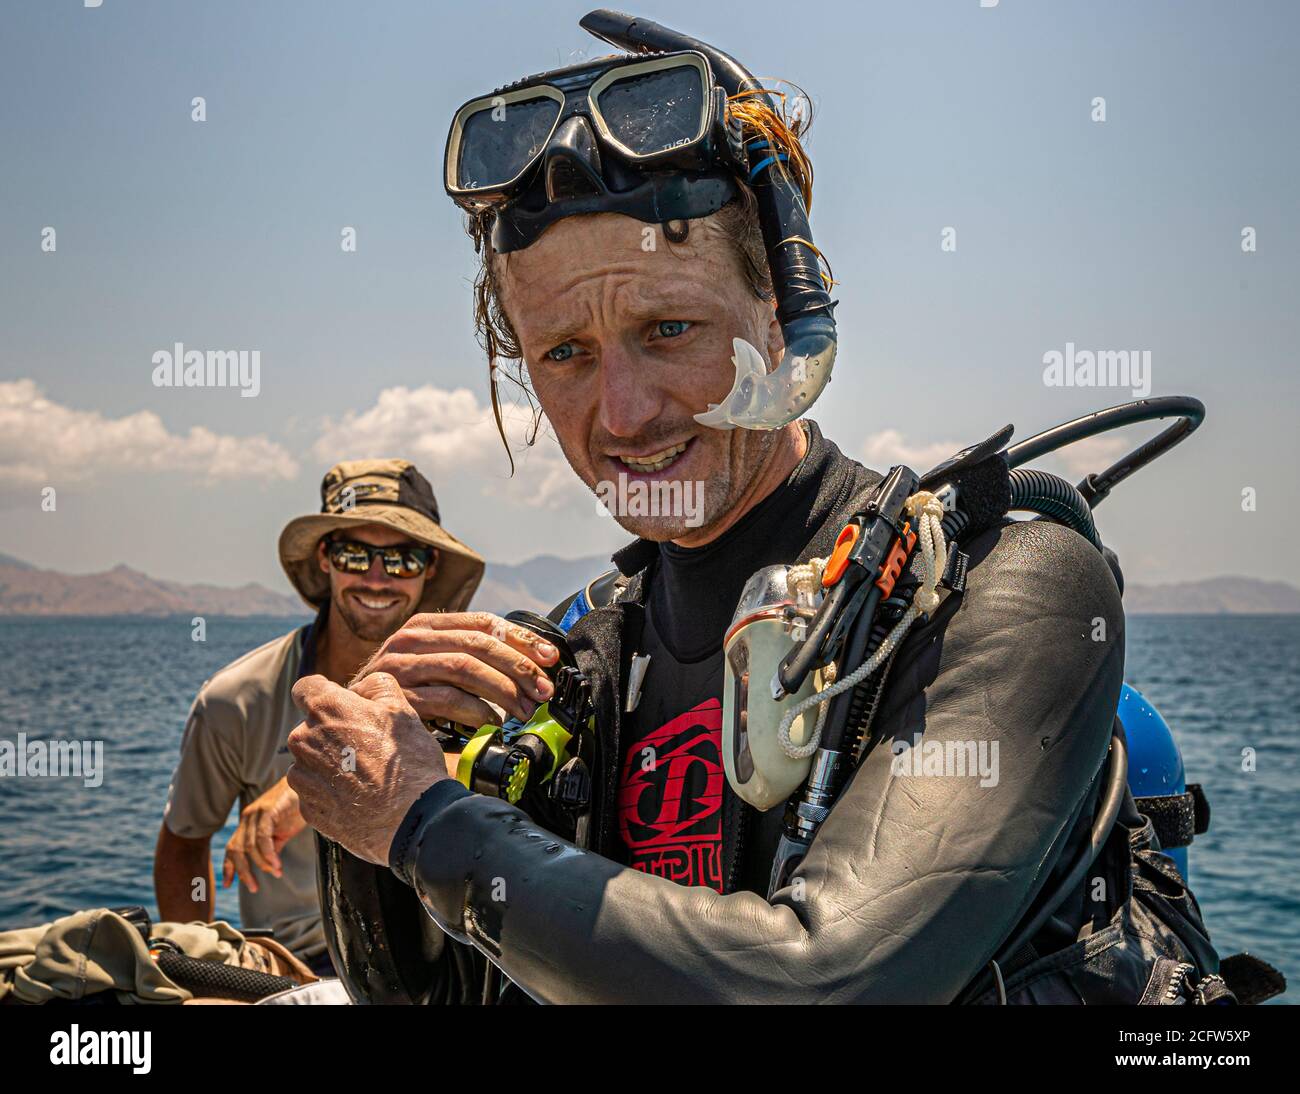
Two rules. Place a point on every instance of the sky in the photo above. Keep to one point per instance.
(934, 121)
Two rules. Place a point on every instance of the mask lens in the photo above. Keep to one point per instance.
(499, 141)
(651, 112)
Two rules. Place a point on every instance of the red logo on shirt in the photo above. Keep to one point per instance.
(670, 798)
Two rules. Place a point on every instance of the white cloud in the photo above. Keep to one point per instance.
(46, 443)
(1092, 454)
(883, 450)
(451, 434)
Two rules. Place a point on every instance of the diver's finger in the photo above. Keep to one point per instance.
(468, 673)
(241, 869)
(496, 647)
(452, 704)
(262, 847)
(427, 626)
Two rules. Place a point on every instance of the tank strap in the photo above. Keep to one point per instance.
(1177, 818)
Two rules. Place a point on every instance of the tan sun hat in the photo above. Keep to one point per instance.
(388, 492)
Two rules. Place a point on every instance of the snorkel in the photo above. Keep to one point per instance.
(562, 160)
(757, 400)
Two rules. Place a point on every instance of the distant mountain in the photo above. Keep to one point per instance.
(27, 590)
(536, 585)
(1215, 596)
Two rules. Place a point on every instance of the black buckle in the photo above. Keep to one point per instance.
(571, 704)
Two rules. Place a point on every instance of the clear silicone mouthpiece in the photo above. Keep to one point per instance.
(762, 400)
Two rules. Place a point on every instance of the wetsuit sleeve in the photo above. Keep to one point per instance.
(913, 881)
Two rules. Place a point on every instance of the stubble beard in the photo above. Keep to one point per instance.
(370, 629)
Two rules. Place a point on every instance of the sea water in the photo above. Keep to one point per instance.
(1227, 685)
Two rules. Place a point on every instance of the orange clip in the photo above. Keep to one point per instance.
(896, 560)
(839, 560)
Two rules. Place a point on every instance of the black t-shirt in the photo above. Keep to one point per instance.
(672, 784)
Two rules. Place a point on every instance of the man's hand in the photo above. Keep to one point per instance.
(449, 663)
(362, 758)
(268, 823)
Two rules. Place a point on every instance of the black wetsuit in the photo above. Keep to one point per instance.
(912, 884)
(673, 805)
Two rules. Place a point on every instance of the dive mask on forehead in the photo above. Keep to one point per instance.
(649, 136)
(646, 138)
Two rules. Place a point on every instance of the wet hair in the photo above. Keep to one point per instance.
(737, 221)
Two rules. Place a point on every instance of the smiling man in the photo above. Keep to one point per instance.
(372, 557)
(646, 255)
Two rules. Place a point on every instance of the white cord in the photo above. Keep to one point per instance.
(802, 580)
(929, 513)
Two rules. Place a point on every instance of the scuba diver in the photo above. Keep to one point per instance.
(829, 735)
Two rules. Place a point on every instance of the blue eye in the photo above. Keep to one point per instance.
(562, 352)
(671, 328)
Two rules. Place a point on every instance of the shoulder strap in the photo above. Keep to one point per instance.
(597, 593)
(823, 540)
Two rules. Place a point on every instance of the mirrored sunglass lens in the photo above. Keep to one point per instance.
(403, 563)
(497, 142)
(654, 111)
(347, 556)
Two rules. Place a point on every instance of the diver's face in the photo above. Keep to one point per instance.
(374, 604)
(624, 345)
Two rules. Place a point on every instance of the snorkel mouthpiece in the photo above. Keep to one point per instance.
(762, 400)
(757, 400)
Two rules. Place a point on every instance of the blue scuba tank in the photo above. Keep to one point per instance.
(1155, 766)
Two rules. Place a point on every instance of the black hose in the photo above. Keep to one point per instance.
(218, 981)
(1095, 487)
(1042, 493)
(1054, 498)
(954, 524)
(864, 694)
(796, 664)
(857, 648)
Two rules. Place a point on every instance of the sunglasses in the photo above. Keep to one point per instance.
(667, 112)
(402, 560)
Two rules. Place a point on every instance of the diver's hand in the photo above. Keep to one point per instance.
(265, 826)
(361, 759)
(453, 664)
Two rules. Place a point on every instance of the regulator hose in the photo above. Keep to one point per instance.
(1053, 497)
(1038, 492)
(1189, 411)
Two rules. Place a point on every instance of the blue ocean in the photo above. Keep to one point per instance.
(1224, 683)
